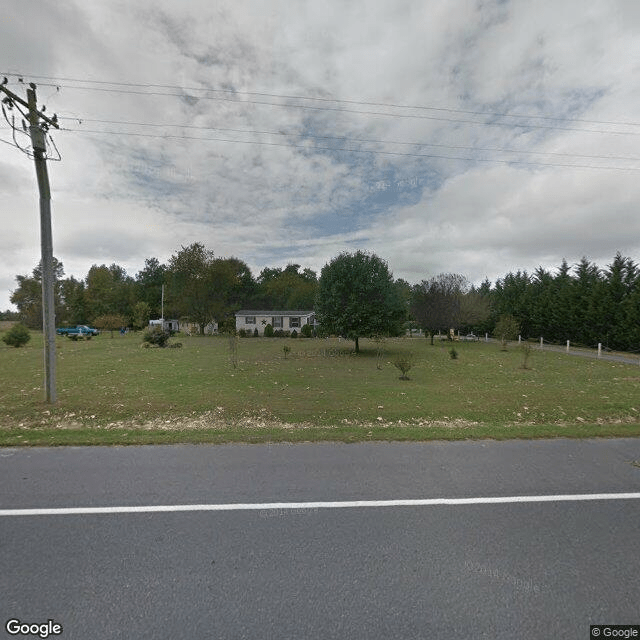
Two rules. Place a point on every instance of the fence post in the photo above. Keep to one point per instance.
(599, 349)
(486, 337)
(568, 342)
(519, 339)
(541, 342)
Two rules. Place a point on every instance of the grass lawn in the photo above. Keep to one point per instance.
(112, 391)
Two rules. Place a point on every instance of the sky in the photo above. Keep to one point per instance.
(470, 136)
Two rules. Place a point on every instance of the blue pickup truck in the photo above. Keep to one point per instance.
(81, 331)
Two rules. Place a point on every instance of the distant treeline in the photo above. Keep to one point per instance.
(583, 303)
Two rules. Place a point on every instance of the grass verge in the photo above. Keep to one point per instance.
(111, 391)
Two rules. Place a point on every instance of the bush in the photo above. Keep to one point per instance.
(404, 362)
(268, 331)
(306, 332)
(156, 336)
(17, 336)
(453, 354)
(294, 334)
(242, 333)
(256, 333)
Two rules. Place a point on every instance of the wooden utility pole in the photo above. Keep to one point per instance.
(38, 125)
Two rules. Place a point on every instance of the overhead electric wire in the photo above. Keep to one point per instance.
(322, 99)
(334, 149)
(351, 140)
(341, 110)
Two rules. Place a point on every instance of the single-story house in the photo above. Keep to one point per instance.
(249, 320)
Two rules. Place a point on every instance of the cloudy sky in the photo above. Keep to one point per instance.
(472, 136)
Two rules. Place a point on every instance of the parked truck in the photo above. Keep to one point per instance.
(79, 331)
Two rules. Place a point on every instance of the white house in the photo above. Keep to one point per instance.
(249, 320)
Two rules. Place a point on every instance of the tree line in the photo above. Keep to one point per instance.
(584, 303)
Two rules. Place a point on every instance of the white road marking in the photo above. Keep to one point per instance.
(348, 504)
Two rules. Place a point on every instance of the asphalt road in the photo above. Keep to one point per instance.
(511, 570)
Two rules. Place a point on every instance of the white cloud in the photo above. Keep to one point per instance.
(123, 198)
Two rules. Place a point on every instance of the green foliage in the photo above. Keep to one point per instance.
(404, 362)
(357, 297)
(306, 331)
(156, 336)
(453, 354)
(17, 336)
(110, 322)
(256, 333)
(294, 334)
(141, 315)
(286, 349)
(242, 333)
(507, 328)
(268, 331)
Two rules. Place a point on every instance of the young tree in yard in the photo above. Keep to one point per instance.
(506, 329)
(110, 322)
(17, 336)
(357, 298)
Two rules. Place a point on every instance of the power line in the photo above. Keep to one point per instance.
(353, 140)
(343, 110)
(335, 149)
(322, 99)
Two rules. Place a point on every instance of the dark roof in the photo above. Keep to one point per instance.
(294, 312)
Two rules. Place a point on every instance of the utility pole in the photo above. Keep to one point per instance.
(38, 126)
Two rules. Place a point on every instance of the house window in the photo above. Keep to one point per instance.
(250, 320)
(276, 322)
(294, 322)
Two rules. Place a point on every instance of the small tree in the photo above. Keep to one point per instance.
(306, 331)
(507, 328)
(17, 336)
(268, 331)
(526, 354)
(404, 362)
(110, 323)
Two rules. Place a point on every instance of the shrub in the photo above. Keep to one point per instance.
(156, 336)
(268, 331)
(17, 336)
(278, 333)
(453, 354)
(294, 334)
(256, 333)
(242, 333)
(403, 362)
(306, 331)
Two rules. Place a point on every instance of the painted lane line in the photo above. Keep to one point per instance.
(348, 504)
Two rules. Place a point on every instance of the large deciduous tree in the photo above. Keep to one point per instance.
(28, 295)
(191, 288)
(438, 303)
(357, 298)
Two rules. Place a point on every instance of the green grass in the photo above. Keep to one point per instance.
(112, 391)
